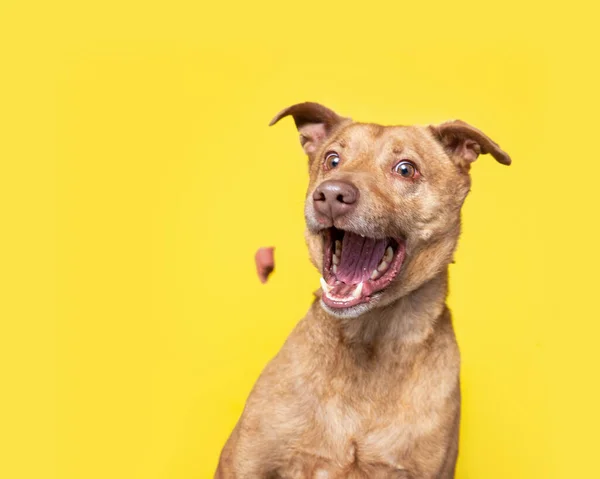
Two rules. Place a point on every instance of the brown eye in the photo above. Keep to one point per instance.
(406, 169)
(332, 160)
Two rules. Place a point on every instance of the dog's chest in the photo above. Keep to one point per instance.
(348, 437)
(341, 418)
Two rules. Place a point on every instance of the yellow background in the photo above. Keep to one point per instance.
(138, 176)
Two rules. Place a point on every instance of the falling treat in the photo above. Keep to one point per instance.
(265, 263)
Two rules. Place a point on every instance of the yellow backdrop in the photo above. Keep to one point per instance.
(139, 176)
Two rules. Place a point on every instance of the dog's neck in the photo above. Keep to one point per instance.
(408, 320)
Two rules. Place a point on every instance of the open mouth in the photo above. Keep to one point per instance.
(356, 267)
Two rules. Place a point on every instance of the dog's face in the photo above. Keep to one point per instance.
(383, 203)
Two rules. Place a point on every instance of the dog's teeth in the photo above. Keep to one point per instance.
(358, 290)
(334, 268)
(389, 254)
(338, 247)
(324, 286)
(382, 266)
(375, 274)
(336, 259)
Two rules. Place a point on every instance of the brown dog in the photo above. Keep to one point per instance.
(367, 384)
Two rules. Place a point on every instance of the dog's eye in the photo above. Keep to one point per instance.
(332, 160)
(406, 169)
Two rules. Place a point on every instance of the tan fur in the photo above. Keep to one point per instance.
(375, 394)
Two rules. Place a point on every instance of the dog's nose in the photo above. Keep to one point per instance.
(333, 199)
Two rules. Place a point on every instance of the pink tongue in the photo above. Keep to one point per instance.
(360, 256)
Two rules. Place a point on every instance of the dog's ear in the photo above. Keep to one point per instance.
(314, 122)
(464, 143)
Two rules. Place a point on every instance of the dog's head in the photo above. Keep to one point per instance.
(383, 203)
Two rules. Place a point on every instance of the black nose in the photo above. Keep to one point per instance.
(333, 199)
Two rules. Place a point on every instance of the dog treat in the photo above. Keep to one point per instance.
(265, 263)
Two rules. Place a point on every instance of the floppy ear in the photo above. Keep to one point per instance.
(314, 122)
(464, 143)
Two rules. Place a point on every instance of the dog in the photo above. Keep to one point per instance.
(367, 384)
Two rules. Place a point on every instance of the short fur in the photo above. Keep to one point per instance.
(372, 392)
